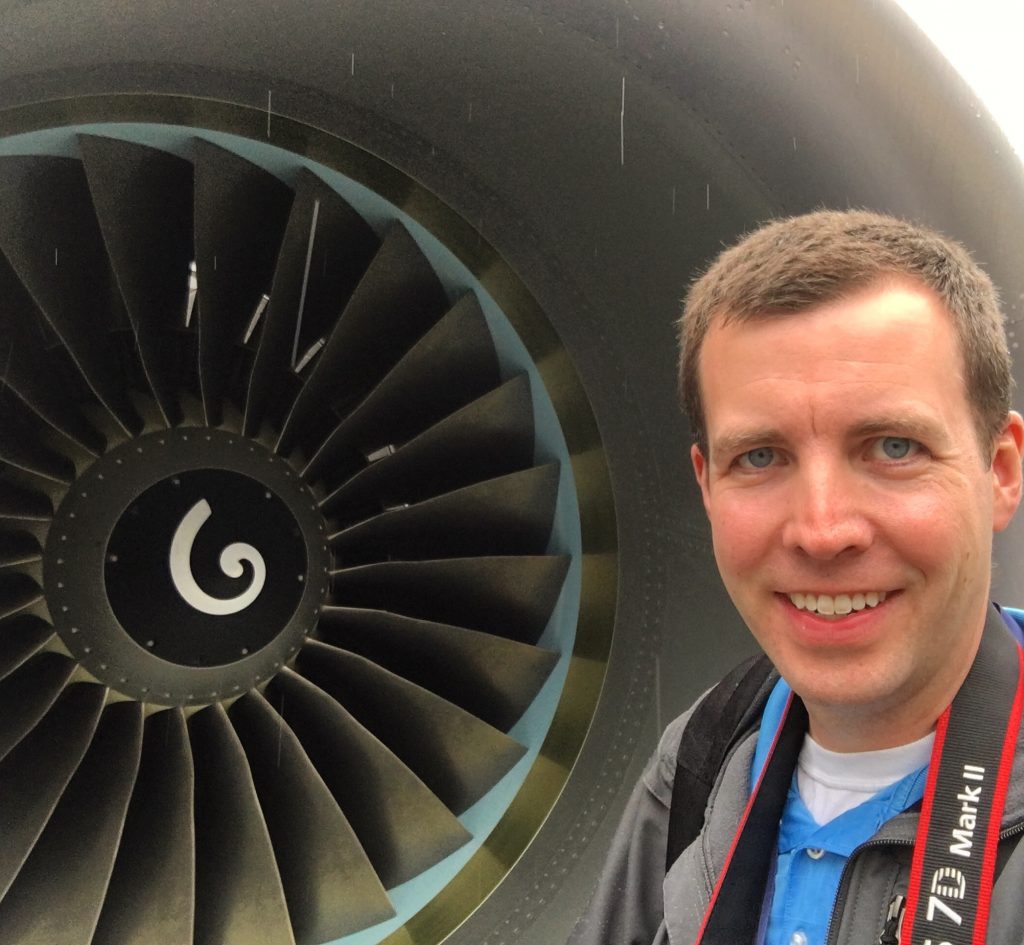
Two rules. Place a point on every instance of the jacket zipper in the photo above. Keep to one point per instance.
(893, 927)
(897, 907)
(1012, 831)
(844, 881)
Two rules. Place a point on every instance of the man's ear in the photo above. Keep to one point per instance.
(700, 470)
(1006, 471)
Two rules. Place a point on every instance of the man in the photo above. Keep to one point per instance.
(847, 379)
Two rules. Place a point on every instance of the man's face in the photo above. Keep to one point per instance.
(844, 468)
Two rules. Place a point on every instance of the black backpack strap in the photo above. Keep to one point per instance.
(712, 730)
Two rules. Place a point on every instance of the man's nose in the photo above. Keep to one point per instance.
(827, 517)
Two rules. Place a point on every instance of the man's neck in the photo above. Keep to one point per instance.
(849, 736)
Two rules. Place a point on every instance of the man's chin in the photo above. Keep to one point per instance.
(838, 684)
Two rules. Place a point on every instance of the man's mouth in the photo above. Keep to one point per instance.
(838, 605)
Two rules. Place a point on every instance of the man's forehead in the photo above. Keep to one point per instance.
(878, 360)
(877, 312)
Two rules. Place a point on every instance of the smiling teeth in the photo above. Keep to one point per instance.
(839, 605)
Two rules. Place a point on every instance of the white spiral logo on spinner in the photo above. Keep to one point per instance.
(231, 559)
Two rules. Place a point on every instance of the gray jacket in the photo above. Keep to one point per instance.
(637, 904)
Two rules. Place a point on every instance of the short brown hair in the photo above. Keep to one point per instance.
(796, 263)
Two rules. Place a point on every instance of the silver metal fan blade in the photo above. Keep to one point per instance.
(401, 825)
(329, 883)
(239, 897)
(70, 865)
(457, 756)
(151, 896)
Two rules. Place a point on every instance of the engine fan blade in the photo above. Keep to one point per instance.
(326, 249)
(510, 595)
(239, 898)
(46, 386)
(20, 638)
(451, 365)
(330, 885)
(151, 897)
(143, 200)
(27, 693)
(457, 756)
(490, 677)
(34, 774)
(70, 865)
(396, 302)
(48, 232)
(240, 215)
(401, 825)
(489, 437)
(508, 515)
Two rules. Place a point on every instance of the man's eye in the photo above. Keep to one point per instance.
(897, 447)
(760, 458)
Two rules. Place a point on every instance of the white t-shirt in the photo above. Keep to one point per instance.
(832, 782)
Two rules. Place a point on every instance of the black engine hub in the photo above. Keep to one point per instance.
(186, 566)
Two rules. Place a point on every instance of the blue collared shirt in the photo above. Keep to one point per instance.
(809, 856)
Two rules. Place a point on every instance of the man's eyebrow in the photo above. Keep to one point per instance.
(914, 426)
(733, 444)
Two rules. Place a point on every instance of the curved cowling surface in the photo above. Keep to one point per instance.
(606, 149)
